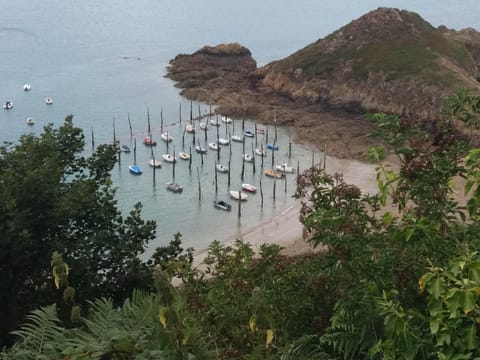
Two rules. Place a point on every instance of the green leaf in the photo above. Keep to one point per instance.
(467, 300)
(472, 206)
(474, 275)
(435, 287)
(471, 337)
(434, 325)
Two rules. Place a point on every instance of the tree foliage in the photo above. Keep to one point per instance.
(54, 198)
(398, 275)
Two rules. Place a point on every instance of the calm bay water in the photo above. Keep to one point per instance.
(104, 60)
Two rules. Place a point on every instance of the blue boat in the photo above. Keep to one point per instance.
(248, 133)
(272, 146)
(135, 169)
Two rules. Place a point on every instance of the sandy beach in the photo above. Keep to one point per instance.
(285, 228)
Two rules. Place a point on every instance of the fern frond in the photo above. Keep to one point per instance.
(40, 337)
(102, 318)
(139, 312)
(308, 348)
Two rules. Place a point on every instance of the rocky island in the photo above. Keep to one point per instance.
(388, 60)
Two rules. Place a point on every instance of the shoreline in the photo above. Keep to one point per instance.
(285, 228)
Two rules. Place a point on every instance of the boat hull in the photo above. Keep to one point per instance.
(174, 187)
(238, 195)
(222, 205)
(135, 170)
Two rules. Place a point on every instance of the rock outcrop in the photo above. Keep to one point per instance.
(388, 60)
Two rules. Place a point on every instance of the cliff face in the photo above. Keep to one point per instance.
(388, 60)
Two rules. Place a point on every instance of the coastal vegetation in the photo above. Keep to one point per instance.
(398, 275)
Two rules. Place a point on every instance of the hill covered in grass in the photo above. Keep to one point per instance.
(388, 60)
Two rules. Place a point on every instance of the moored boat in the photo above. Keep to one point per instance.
(169, 158)
(155, 163)
(284, 168)
(274, 174)
(8, 105)
(30, 121)
(249, 188)
(213, 146)
(135, 169)
(260, 152)
(203, 126)
(166, 137)
(174, 187)
(200, 149)
(27, 87)
(248, 133)
(223, 141)
(48, 101)
(189, 128)
(237, 138)
(223, 205)
(147, 140)
(221, 168)
(238, 195)
(125, 148)
(227, 120)
(184, 155)
(214, 122)
(272, 146)
(248, 157)
(260, 131)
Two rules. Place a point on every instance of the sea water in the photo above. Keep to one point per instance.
(104, 62)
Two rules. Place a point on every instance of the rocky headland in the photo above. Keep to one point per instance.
(388, 60)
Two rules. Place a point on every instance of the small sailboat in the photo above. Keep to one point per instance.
(214, 122)
(48, 101)
(203, 126)
(223, 205)
(8, 105)
(272, 147)
(125, 148)
(284, 168)
(238, 195)
(27, 87)
(166, 137)
(184, 156)
(248, 157)
(237, 138)
(200, 149)
(260, 131)
(260, 152)
(274, 174)
(30, 121)
(147, 140)
(174, 187)
(135, 169)
(169, 158)
(223, 141)
(221, 168)
(227, 120)
(155, 163)
(213, 146)
(249, 188)
(189, 128)
(248, 133)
